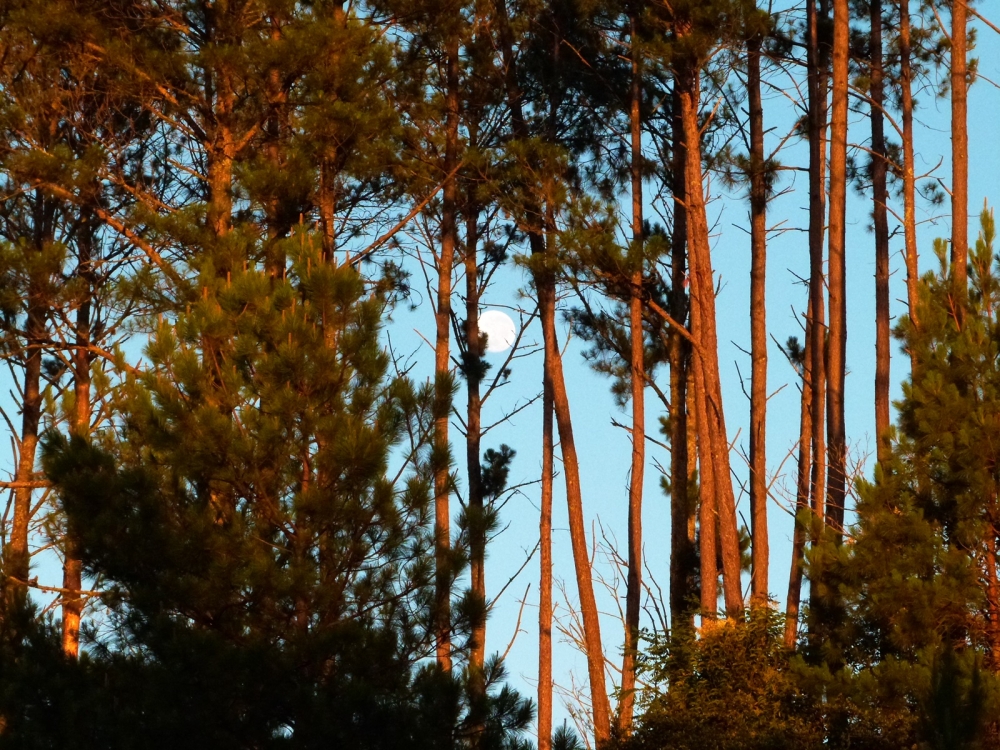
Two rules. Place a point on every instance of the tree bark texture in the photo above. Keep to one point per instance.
(880, 196)
(442, 364)
(713, 447)
(802, 486)
(758, 334)
(909, 175)
(817, 77)
(633, 588)
(959, 150)
(683, 555)
(837, 345)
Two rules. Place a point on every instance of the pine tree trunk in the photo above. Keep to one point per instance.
(837, 346)
(473, 437)
(802, 485)
(713, 445)
(959, 152)
(633, 590)
(18, 559)
(593, 645)
(683, 556)
(909, 174)
(442, 366)
(72, 607)
(817, 75)
(758, 334)
(880, 196)
(17, 564)
(545, 573)
(545, 289)
(474, 371)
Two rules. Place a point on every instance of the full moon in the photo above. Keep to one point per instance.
(499, 330)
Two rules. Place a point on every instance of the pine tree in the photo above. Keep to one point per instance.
(249, 511)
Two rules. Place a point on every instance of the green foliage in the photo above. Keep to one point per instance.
(261, 523)
(735, 687)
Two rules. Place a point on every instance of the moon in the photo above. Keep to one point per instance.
(499, 329)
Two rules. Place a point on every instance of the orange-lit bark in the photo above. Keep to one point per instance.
(837, 344)
(442, 366)
(638, 375)
(758, 334)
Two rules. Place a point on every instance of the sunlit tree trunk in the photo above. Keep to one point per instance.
(683, 556)
(802, 485)
(72, 607)
(880, 195)
(544, 279)
(17, 561)
(837, 345)
(817, 78)
(442, 365)
(713, 446)
(758, 333)
(909, 175)
(633, 589)
(959, 151)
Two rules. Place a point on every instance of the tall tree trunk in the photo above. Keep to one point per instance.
(837, 347)
(713, 446)
(593, 645)
(683, 556)
(633, 588)
(17, 563)
(909, 174)
(545, 574)
(801, 497)
(473, 437)
(880, 195)
(758, 333)
(72, 607)
(817, 77)
(545, 289)
(442, 365)
(959, 152)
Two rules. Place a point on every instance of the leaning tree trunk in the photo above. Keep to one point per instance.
(544, 279)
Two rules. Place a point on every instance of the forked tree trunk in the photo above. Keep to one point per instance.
(713, 446)
(442, 367)
(758, 334)
(959, 153)
(837, 346)
(880, 195)
(633, 588)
